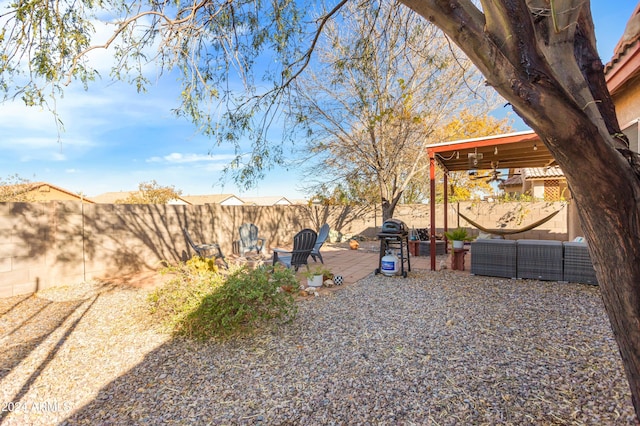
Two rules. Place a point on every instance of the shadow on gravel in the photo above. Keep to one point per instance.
(41, 319)
(480, 352)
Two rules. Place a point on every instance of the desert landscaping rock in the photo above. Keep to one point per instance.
(437, 348)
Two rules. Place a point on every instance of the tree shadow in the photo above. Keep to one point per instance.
(341, 217)
(36, 321)
(161, 380)
(68, 241)
(8, 305)
(238, 382)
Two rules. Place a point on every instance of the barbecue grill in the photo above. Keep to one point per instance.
(394, 226)
(394, 238)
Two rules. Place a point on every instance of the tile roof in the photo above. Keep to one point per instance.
(542, 172)
(624, 66)
(630, 36)
(530, 173)
(512, 181)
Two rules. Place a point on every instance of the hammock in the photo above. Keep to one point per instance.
(501, 231)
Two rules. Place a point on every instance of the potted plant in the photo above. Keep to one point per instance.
(316, 276)
(457, 237)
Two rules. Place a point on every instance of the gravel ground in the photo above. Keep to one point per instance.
(437, 348)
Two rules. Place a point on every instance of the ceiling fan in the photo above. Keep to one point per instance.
(493, 175)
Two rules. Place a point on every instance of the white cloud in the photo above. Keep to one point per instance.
(19, 143)
(178, 158)
(103, 106)
(27, 156)
(15, 115)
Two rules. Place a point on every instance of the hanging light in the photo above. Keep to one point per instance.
(495, 151)
(535, 147)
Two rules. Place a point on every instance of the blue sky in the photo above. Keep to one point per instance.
(115, 138)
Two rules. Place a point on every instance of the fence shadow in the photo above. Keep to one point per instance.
(56, 243)
(37, 320)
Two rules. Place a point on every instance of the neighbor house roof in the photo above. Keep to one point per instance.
(224, 199)
(300, 201)
(41, 191)
(625, 63)
(515, 180)
(267, 201)
(552, 172)
(113, 197)
(532, 173)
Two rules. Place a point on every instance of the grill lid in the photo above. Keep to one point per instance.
(394, 226)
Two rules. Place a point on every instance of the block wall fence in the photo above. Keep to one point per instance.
(62, 243)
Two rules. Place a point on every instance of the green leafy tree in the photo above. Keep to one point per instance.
(539, 55)
(210, 45)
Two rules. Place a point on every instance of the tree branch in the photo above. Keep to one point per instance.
(306, 58)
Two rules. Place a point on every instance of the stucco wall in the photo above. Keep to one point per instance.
(627, 102)
(59, 243)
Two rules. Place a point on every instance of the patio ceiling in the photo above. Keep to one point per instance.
(510, 151)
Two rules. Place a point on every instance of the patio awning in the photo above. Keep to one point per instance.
(513, 150)
(508, 151)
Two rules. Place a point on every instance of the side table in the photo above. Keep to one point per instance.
(457, 259)
(414, 247)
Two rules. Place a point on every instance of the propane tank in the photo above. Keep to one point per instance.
(389, 264)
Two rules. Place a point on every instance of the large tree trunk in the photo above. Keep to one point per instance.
(388, 207)
(606, 190)
(544, 62)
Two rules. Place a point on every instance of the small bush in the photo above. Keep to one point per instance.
(183, 293)
(205, 306)
(201, 266)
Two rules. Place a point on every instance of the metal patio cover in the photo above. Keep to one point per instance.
(510, 151)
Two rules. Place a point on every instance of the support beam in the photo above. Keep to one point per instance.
(432, 202)
(446, 210)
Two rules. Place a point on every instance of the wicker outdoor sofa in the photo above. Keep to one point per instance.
(533, 259)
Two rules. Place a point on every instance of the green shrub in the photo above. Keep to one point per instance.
(201, 266)
(212, 306)
(182, 294)
(459, 234)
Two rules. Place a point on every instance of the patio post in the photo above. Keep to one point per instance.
(432, 202)
(446, 208)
